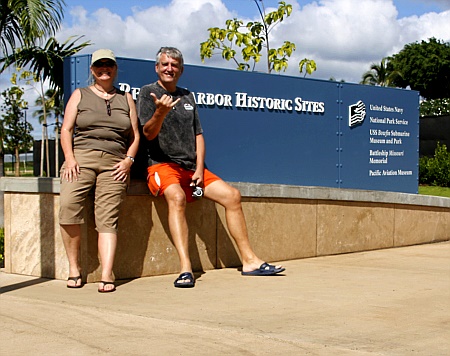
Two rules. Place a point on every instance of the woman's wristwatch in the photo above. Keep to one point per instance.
(132, 158)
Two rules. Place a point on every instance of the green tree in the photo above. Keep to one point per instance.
(23, 22)
(23, 25)
(436, 107)
(46, 63)
(425, 67)
(16, 131)
(381, 74)
(253, 38)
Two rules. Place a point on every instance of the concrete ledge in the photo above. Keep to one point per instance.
(251, 190)
(29, 185)
(321, 193)
(284, 222)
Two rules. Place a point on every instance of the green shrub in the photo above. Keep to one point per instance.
(424, 177)
(436, 170)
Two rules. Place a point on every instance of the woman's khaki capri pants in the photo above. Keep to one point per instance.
(95, 169)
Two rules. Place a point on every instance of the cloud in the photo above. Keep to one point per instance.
(182, 24)
(429, 25)
(343, 36)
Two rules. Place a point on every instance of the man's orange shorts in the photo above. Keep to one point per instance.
(162, 175)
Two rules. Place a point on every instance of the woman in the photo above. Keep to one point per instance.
(100, 139)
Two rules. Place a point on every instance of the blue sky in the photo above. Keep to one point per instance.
(247, 8)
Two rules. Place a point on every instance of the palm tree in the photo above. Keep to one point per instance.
(23, 22)
(380, 74)
(47, 63)
(52, 109)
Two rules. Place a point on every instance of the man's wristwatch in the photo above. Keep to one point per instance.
(132, 158)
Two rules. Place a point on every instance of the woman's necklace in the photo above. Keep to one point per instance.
(106, 93)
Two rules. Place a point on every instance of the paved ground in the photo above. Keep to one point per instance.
(387, 302)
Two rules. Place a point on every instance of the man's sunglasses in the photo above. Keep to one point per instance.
(107, 63)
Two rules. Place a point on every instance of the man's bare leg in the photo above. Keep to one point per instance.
(230, 199)
(176, 201)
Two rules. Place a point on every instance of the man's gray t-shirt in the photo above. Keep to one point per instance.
(175, 142)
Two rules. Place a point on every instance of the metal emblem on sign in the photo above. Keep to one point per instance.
(356, 113)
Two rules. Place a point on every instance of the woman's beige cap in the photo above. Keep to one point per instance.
(102, 54)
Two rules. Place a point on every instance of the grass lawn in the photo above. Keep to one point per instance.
(431, 190)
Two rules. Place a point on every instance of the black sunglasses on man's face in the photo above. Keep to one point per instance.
(104, 63)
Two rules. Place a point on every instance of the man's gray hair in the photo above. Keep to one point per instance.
(171, 52)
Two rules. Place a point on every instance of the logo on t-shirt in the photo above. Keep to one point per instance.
(188, 107)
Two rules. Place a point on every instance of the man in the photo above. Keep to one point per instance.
(176, 153)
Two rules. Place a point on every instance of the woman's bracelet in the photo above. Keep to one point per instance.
(132, 158)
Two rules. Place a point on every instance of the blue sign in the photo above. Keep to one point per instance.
(276, 129)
